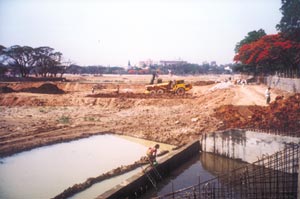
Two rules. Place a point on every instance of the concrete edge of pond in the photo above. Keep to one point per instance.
(246, 145)
(139, 183)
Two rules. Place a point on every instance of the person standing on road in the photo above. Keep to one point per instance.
(268, 95)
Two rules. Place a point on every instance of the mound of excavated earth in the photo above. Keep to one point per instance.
(282, 114)
(203, 83)
(140, 96)
(46, 88)
(6, 89)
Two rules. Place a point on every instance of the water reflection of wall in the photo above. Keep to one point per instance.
(248, 146)
(218, 165)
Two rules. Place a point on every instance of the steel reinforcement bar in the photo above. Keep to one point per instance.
(274, 176)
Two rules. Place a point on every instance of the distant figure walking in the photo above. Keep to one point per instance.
(154, 76)
(268, 95)
(118, 89)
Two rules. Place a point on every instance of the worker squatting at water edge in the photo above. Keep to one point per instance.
(151, 154)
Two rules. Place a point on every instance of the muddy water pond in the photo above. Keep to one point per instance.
(45, 172)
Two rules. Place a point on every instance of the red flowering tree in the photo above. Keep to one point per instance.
(270, 53)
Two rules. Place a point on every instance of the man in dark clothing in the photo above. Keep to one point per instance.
(154, 75)
(268, 95)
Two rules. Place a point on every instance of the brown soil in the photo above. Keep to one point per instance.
(31, 119)
(203, 83)
(6, 89)
(281, 115)
(46, 88)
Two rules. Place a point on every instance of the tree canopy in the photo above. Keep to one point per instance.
(25, 59)
(274, 52)
(251, 37)
(278, 52)
(76, 69)
(290, 22)
(47, 60)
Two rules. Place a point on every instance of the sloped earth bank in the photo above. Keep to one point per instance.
(283, 115)
(29, 120)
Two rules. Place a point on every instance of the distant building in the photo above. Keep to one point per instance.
(213, 63)
(146, 63)
(170, 63)
(228, 68)
(205, 63)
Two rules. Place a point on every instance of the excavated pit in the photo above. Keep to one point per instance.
(33, 119)
(30, 120)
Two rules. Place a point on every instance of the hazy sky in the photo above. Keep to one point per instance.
(111, 32)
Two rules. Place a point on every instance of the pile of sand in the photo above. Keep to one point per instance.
(222, 85)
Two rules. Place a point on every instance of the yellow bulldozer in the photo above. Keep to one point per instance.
(176, 87)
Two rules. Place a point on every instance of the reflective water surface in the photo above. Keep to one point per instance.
(101, 187)
(47, 171)
(203, 167)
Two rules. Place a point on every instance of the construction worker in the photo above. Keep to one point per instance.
(268, 95)
(154, 76)
(151, 154)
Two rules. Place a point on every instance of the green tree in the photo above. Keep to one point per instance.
(21, 57)
(47, 61)
(74, 69)
(290, 21)
(251, 37)
(3, 69)
(2, 51)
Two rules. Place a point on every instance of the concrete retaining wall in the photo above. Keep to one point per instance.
(287, 84)
(138, 184)
(245, 145)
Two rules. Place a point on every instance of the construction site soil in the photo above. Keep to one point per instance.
(35, 114)
(281, 115)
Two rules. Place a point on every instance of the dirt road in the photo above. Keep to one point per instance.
(250, 95)
(29, 120)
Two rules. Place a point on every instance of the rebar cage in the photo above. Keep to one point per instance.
(273, 177)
